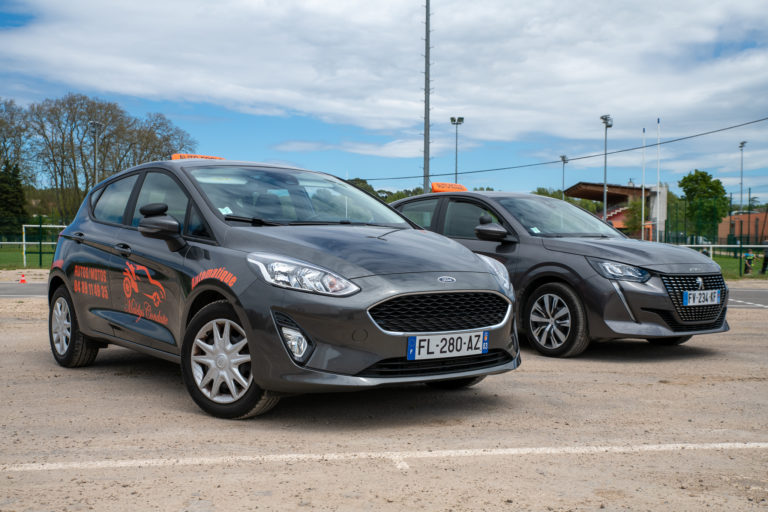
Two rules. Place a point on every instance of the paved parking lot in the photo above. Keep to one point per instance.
(627, 426)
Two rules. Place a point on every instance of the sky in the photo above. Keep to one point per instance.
(338, 85)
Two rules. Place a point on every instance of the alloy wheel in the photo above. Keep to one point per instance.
(61, 326)
(550, 321)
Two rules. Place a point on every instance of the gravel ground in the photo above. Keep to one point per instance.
(627, 426)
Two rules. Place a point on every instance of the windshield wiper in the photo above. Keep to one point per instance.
(254, 221)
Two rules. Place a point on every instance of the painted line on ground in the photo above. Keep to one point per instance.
(398, 458)
(748, 304)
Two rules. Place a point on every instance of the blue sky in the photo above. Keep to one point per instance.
(337, 85)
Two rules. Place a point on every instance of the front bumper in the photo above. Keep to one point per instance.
(624, 309)
(349, 348)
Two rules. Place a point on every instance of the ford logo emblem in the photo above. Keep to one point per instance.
(446, 279)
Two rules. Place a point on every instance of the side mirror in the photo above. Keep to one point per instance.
(491, 232)
(156, 224)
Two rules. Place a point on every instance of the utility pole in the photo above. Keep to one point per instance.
(426, 105)
(565, 161)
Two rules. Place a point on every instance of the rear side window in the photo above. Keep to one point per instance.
(461, 218)
(420, 212)
(110, 206)
(159, 187)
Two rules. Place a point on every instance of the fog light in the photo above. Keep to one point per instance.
(295, 341)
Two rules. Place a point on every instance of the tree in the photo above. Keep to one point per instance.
(12, 211)
(707, 203)
(632, 220)
(65, 133)
(587, 204)
(13, 138)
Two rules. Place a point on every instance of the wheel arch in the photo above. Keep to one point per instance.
(542, 276)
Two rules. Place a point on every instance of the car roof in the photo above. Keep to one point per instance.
(476, 194)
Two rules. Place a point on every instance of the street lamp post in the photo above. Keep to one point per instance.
(456, 121)
(608, 122)
(95, 128)
(741, 176)
(565, 161)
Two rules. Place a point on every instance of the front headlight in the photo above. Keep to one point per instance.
(299, 275)
(500, 272)
(619, 271)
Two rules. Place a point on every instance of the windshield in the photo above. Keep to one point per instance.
(288, 196)
(548, 217)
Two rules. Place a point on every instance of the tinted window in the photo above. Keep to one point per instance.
(111, 205)
(420, 212)
(161, 188)
(461, 218)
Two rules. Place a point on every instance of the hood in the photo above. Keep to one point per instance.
(649, 255)
(358, 251)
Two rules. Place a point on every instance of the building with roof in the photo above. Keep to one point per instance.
(618, 199)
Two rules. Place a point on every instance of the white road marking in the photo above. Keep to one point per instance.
(398, 458)
(749, 304)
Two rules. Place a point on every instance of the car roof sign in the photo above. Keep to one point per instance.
(448, 187)
(184, 156)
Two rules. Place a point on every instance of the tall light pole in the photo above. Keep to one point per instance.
(608, 122)
(426, 103)
(565, 161)
(96, 127)
(741, 176)
(456, 121)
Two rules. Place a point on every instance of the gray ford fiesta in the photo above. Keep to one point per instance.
(263, 281)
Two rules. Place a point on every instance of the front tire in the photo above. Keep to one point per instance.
(216, 365)
(555, 321)
(668, 342)
(70, 348)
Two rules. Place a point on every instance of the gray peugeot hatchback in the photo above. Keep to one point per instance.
(263, 281)
(577, 279)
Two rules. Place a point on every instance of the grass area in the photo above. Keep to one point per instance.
(730, 268)
(11, 256)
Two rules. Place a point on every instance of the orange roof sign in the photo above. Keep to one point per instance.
(448, 187)
(184, 156)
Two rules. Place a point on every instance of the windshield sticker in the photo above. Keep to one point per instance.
(134, 303)
(221, 273)
(225, 211)
(535, 230)
(90, 281)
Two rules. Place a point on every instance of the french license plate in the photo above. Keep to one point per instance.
(701, 297)
(447, 345)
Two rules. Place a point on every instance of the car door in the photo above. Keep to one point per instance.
(92, 257)
(148, 287)
(460, 217)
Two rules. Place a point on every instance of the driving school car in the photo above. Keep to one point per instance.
(263, 281)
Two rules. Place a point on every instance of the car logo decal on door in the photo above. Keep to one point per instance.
(149, 308)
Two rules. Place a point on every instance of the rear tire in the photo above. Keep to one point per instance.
(677, 340)
(555, 322)
(69, 347)
(455, 383)
(216, 365)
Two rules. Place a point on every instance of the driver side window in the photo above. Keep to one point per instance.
(159, 187)
(462, 217)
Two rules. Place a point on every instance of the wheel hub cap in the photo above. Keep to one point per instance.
(221, 362)
(61, 326)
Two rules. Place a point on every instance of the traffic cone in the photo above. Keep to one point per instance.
(22, 281)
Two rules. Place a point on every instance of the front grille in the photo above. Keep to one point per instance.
(440, 312)
(676, 285)
(401, 367)
(678, 327)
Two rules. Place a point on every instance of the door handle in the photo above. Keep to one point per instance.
(78, 237)
(123, 249)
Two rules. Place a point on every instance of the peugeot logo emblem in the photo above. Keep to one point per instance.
(700, 283)
(446, 279)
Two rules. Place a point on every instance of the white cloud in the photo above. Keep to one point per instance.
(512, 69)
